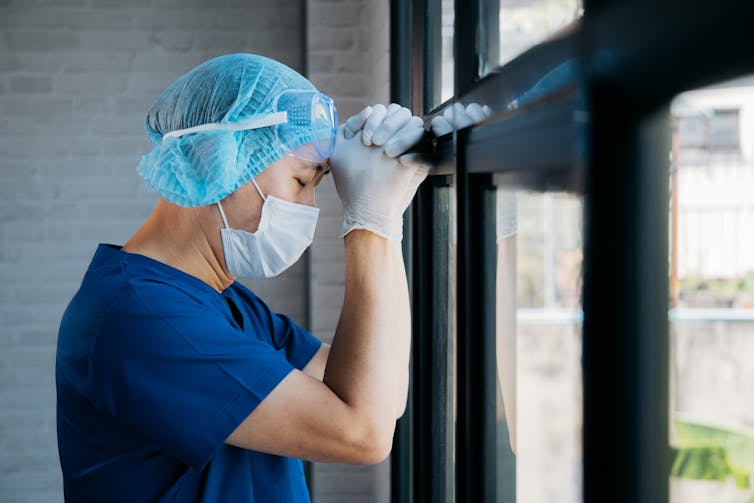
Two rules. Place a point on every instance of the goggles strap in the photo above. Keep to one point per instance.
(272, 119)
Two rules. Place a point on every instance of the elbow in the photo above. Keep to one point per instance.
(376, 453)
(373, 444)
(382, 446)
(401, 410)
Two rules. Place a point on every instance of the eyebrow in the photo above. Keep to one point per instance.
(320, 167)
(318, 172)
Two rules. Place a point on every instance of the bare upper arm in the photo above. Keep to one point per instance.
(303, 418)
(316, 366)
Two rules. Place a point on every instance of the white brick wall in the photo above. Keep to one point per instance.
(76, 80)
(348, 59)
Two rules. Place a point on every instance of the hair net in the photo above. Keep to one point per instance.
(203, 168)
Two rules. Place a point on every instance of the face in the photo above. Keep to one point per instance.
(290, 178)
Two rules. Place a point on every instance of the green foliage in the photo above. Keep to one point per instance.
(709, 452)
(720, 291)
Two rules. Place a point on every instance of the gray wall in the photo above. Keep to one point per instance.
(76, 79)
(348, 55)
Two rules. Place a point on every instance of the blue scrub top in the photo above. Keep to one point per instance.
(154, 370)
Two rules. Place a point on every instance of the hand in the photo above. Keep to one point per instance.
(374, 186)
(393, 127)
(457, 117)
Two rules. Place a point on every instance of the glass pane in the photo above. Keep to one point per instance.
(539, 249)
(446, 77)
(513, 26)
(440, 60)
(452, 344)
(712, 294)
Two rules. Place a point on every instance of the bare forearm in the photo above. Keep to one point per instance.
(402, 335)
(365, 367)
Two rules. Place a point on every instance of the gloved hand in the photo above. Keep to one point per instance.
(380, 124)
(393, 127)
(457, 117)
(375, 186)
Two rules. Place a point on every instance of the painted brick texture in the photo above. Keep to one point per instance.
(348, 59)
(76, 80)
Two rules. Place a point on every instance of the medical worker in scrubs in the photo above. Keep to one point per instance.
(177, 383)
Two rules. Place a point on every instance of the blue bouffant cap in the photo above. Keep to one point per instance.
(204, 167)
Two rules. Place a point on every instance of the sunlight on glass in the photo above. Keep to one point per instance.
(525, 23)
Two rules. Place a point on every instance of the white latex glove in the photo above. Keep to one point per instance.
(375, 188)
(457, 117)
(393, 127)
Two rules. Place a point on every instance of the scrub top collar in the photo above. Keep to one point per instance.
(108, 249)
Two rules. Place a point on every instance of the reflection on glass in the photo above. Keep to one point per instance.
(712, 294)
(539, 247)
(505, 342)
(557, 78)
(525, 23)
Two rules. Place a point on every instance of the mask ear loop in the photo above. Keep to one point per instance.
(258, 190)
(222, 215)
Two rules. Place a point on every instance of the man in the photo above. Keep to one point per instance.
(175, 382)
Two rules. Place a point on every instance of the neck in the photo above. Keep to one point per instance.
(185, 238)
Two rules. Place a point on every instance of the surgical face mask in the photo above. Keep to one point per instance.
(285, 231)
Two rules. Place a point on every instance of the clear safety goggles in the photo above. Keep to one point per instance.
(308, 110)
(295, 111)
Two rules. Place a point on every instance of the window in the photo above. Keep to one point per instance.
(433, 358)
(706, 132)
(538, 327)
(725, 130)
(510, 27)
(552, 304)
(446, 78)
(712, 296)
(438, 53)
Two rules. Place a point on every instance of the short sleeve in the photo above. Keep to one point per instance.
(297, 343)
(178, 372)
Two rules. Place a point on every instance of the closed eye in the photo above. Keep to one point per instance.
(302, 184)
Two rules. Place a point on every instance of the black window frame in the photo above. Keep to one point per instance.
(607, 134)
